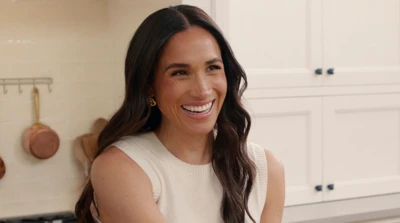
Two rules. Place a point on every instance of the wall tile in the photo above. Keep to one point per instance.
(12, 12)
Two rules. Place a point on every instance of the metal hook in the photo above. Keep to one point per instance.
(19, 86)
(4, 87)
(48, 85)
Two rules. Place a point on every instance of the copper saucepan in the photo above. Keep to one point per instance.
(40, 140)
(2, 168)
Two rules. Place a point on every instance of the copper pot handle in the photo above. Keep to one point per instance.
(37, 110)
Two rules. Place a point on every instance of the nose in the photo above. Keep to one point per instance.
(201, 87)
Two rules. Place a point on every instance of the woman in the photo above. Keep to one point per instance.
(177, 151)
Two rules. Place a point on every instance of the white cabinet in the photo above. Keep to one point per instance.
(278, 42)
(281, 43)
(349, 142)
(361, 40)
(291, 129)
(361, 145)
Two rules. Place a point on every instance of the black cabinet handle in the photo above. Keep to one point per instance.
(318, 188)
(331, 186)
(318, 71)
(331, 71)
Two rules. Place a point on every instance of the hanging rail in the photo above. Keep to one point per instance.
(25, 81)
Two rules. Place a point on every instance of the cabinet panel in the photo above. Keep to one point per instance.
(278, 42)
(361, 41)
(361, 145)
(291, 129)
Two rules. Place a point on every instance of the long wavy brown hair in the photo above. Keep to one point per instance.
(230, 161)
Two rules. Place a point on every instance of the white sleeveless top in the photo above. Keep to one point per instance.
(184, 192)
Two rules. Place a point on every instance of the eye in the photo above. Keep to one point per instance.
(179, 73)
(214, 67)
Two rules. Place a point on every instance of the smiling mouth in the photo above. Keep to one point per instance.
(198, 109)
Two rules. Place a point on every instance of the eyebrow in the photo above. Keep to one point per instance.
(213, 61)
(185, 65)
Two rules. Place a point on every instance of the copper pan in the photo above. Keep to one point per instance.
(2, 168)
(40, 140)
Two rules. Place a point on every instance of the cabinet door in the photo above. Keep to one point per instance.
(361, 145)
(278, 42)
(361, 41)
(291, 129)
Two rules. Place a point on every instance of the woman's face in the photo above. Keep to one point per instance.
(190, 83)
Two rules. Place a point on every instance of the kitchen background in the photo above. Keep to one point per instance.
(81, 45)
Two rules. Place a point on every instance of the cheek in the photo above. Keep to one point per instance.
(221, 84)
(168, 94)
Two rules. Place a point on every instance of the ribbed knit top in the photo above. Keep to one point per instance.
(185, 192)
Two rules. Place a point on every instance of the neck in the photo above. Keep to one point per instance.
(190, 148)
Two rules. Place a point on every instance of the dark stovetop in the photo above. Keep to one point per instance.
(65, 218)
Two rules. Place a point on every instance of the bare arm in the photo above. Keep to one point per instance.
(123, 190)
(274, 204)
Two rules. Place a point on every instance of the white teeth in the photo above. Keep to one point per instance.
(202, 108)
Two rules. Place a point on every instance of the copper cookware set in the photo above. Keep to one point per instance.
(39, 140)
(42, 142)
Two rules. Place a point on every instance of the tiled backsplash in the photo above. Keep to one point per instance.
(81, 44)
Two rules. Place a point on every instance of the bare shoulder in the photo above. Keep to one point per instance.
(111, 165)
(123, 190)
(276, 177)
(273, 209)
(276, 168)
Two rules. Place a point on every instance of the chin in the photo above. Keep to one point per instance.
(201, 129)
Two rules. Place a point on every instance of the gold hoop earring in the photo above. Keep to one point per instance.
(152, 102)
